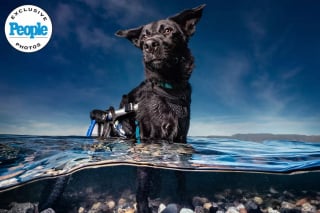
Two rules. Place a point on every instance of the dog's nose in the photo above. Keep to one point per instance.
(150, 45)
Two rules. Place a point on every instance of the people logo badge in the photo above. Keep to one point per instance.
(28, 28)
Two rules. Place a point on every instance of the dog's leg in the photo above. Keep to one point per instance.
(153, 132)
(143, 188)
(106, 130)
(181, 186)
(99, 129)
(52, 192)
(144, 131)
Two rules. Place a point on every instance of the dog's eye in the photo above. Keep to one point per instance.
(167, 31)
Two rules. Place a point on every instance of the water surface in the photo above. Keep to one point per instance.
(28, 158)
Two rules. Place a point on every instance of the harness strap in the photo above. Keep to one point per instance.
(166, 85)
(160, 83)
(137, 131)
(90, 129)
(160, 90)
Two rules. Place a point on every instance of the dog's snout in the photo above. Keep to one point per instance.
(151, 45)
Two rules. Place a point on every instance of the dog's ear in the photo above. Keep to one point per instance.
(188, 19)
(131, 34)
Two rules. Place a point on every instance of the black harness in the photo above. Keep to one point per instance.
(163, 89)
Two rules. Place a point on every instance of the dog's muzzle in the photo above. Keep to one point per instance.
(152, 51)
(151, 45)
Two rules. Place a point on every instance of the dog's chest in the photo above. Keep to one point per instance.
(160, 103)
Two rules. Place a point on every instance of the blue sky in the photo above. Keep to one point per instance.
(257, 66)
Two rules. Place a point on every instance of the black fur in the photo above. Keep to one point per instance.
(164, 97)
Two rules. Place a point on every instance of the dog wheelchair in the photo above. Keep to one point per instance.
(110, 119)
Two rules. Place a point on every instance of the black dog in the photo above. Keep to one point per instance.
(164, 97)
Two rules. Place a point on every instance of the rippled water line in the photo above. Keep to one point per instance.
(26, 158)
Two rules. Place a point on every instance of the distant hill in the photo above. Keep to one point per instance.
(266, 136)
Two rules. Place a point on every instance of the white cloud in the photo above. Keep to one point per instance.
(94, 38)
(63, 16)
(220, 126)
(34, 127)
(60, 111)
(268, 92)
(124, 12)
(227, 126)
(229, 82)
(75, 23)
(252, 81)
(290, 73)
(267, 45)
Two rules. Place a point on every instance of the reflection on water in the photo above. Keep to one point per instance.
(225, 175)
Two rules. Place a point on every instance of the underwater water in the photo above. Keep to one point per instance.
(222, 174)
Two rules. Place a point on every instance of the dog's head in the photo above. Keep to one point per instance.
(164, 42)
